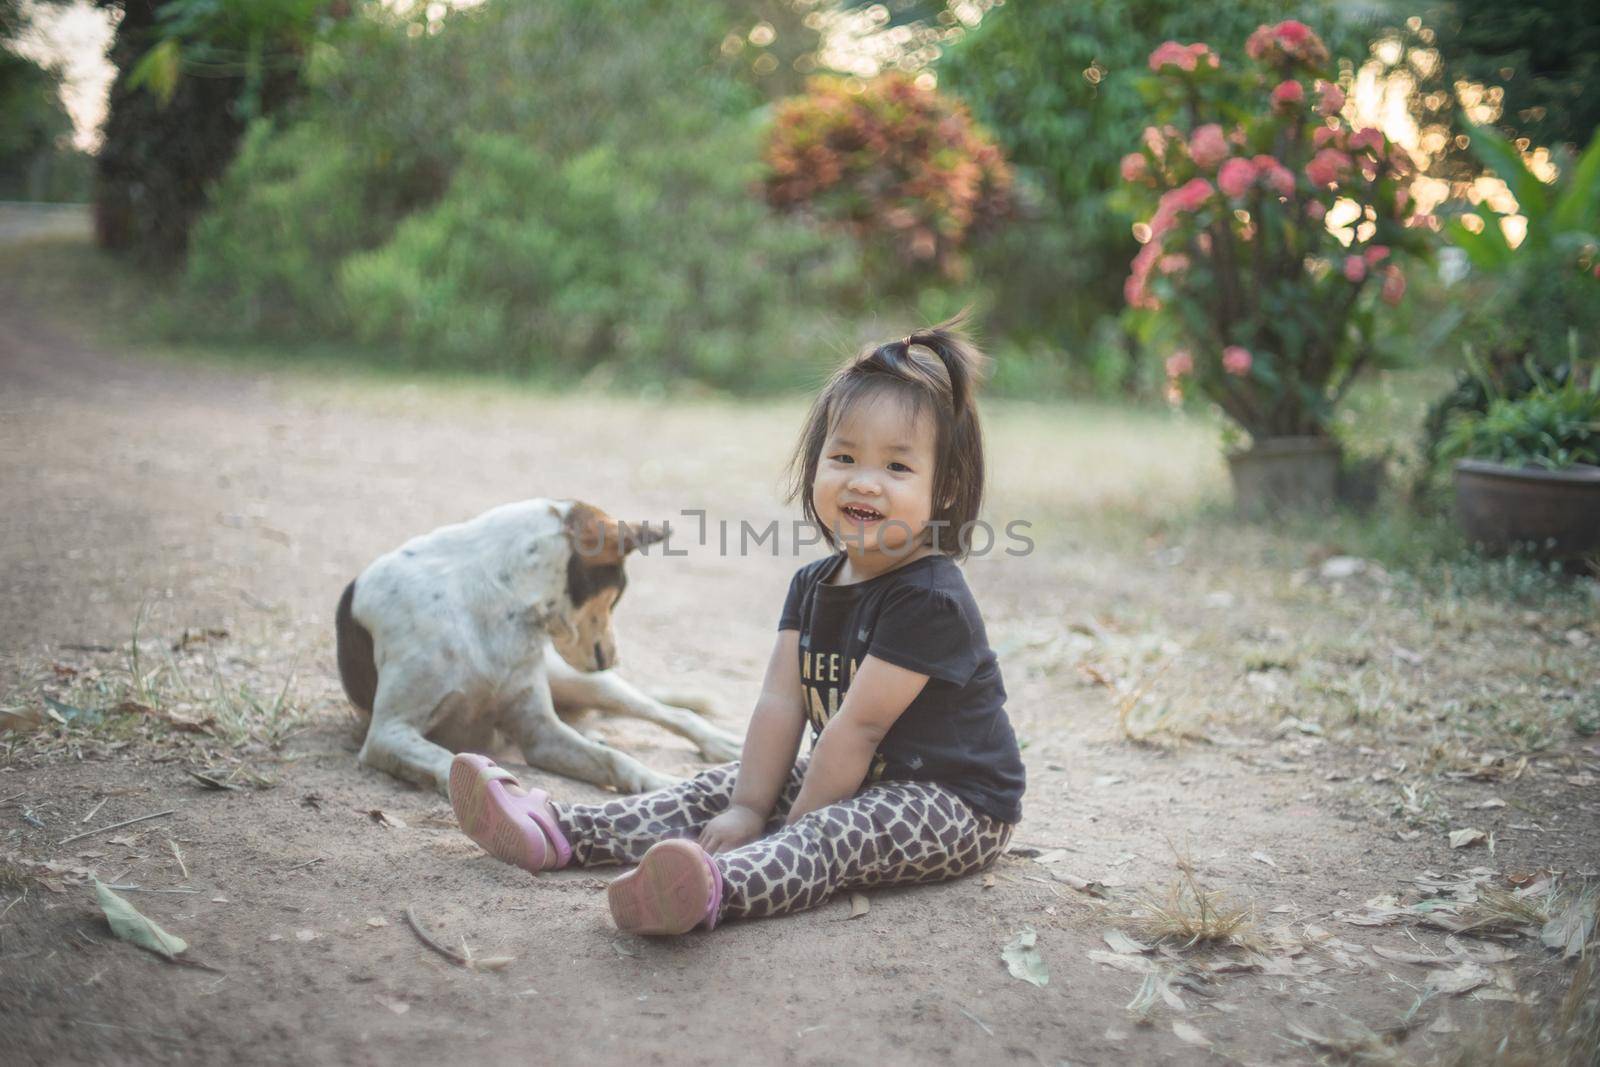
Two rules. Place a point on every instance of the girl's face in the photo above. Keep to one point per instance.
(874, 483)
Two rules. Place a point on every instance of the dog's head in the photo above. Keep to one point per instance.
(594, 583)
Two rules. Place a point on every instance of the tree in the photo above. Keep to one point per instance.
(1545, 54)
(190, 76)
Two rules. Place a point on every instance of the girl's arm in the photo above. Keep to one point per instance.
(770, 746)
(879, 694)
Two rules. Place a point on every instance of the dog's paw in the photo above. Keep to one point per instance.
(723, 748)
(648, 783)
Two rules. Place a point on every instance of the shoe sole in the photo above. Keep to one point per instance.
(505, 835)
(668, 892)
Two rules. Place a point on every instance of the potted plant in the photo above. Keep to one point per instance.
(1534, 302)
(1527, 469)
(1277, 232)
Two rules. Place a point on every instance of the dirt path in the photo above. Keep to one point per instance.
(216, 499)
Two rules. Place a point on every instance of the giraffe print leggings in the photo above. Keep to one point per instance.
(891, 833)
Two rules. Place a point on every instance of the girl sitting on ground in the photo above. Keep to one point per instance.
(914, 773)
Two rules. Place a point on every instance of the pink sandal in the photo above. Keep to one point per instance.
(675, 888)
(510, 825)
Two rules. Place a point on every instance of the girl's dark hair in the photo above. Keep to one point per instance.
(934, 371)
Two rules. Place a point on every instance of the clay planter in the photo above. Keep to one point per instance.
(1553, 515)
(1285, 473)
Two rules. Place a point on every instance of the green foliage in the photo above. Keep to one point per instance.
(899, 167)
(1552, 426)
(534, 188)
(1058, 84)
(1534, 307)
(163, 150)
(1544, 53)
(36, 163)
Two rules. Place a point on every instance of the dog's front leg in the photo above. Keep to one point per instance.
(400, 749)
(610, 692)
(551, 745)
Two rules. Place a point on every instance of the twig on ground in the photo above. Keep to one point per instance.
(981, 1024)
(14, 796)
(303, 866)
(94, 810)
(142, 889)
(182, 866)
(114, 826)
(422, 935)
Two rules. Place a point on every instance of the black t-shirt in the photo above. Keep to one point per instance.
(920, 616)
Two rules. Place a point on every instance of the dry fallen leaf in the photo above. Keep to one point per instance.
(1122, 943)
(306, 935)
(1022, 958)
(1421, 959)
(989, 881)
(128, 924)
(377, 920)
(1131, 964)
(858, 905)
(385, 820)
(1262, 857)
(1467, 838)
(1462, 979)
(399, 1007)
(1189, 1034)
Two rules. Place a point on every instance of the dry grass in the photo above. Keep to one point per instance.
(155, 689)
(1570, 1037)
(1190, 914)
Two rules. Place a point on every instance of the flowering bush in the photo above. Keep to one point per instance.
(1272, 305)
(893, 163)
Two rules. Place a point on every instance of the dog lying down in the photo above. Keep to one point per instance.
(499, 625)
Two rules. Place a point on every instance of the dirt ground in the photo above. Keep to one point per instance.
(195, 498)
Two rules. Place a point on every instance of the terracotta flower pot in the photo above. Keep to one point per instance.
(1554, 515)
(1285, 473)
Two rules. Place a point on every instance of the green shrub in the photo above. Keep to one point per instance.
(1553, 426)
(537, 188)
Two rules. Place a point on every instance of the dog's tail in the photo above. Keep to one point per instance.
(357, 669)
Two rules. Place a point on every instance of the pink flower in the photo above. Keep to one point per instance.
(1288, 96)
(1190, 195)
(1134, 167)
(1207, 146)
(1315, 210)
(1236, 360)
(1236, 137)
(1136, 289)
(1367, 137)
(1183, 56)
(1322, 136)
(1327, 167)
(1330, 99)
(1355, 268)
(1375, 254)
(1287, 42)
(1179, 364)
(1236, 177)
(1276, 175)
(1394, 285)
(1155, 141)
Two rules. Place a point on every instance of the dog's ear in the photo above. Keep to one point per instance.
(604, 541)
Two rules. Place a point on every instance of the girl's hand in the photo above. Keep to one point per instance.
(734, 827)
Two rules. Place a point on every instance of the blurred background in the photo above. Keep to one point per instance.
(723, 196)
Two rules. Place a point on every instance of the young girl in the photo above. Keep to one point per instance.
(914, 773)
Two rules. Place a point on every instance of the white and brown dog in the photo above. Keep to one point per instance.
(496, 625)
